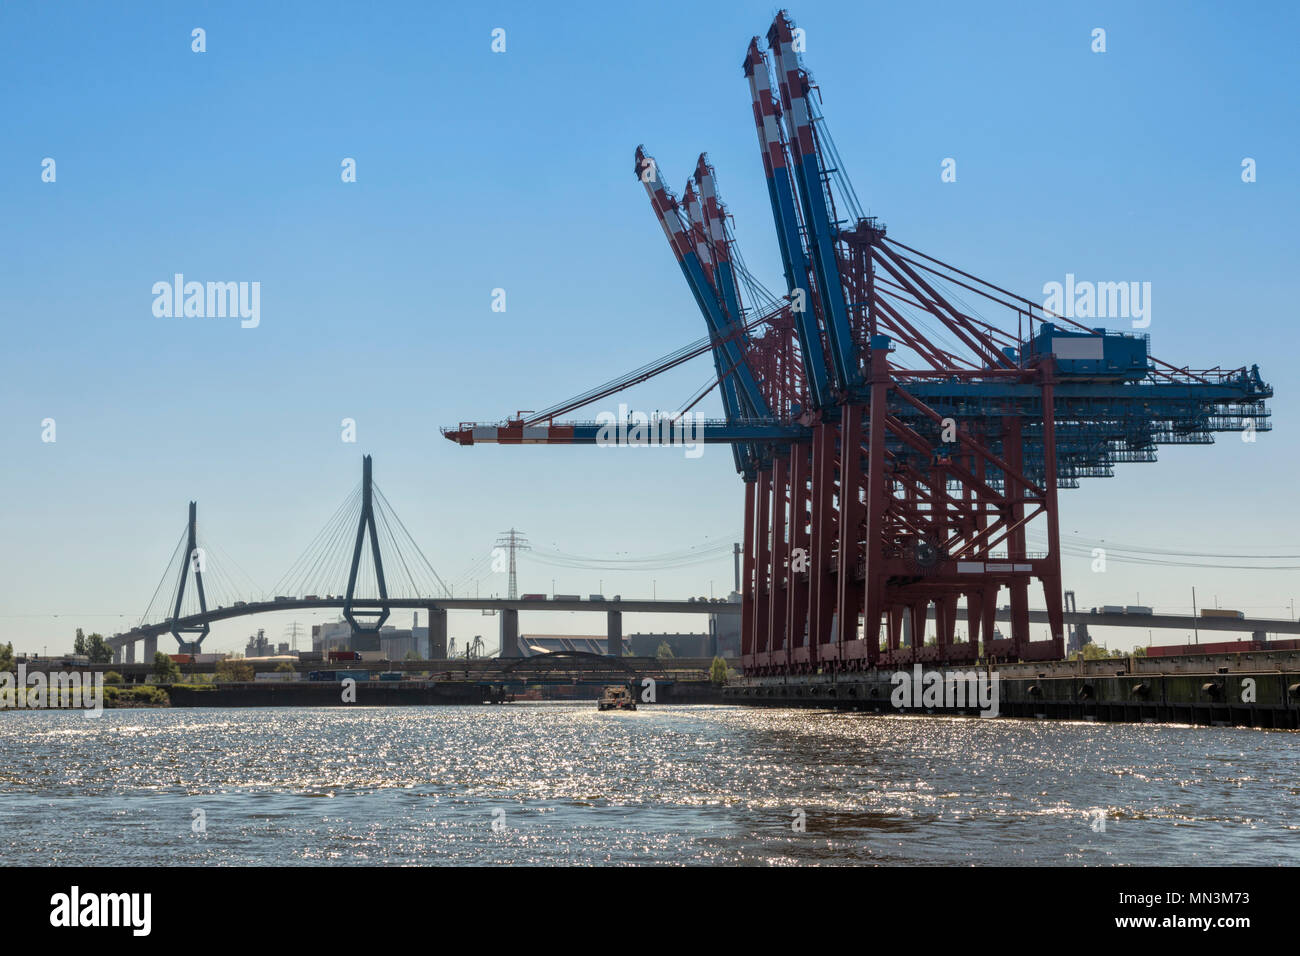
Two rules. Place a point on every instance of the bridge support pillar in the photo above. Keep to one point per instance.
(117, 654)
(614, 633)
(150, 649)
(130, 653)
(509, 633)
(437, 633)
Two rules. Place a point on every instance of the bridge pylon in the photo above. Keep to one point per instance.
(367, 520)
(194, 562)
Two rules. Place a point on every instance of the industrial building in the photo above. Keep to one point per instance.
(389, 643)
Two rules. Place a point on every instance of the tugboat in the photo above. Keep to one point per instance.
(616, 698)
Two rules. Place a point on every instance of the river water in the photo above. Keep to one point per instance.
(562, 783)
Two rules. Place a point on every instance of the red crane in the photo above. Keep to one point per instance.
(896, 446)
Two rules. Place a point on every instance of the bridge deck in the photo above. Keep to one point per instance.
(1183, 622)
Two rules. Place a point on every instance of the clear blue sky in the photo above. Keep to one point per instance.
(479, 170)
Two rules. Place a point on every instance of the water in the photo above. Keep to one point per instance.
(677, 785)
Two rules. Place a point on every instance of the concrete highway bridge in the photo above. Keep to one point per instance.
(188, 617)
(123, 645)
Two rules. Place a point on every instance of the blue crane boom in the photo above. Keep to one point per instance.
(793, 84)
(722, 327)
(780, 190)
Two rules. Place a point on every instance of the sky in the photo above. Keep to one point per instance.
(479, 170)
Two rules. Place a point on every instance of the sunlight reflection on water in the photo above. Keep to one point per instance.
(672, 785)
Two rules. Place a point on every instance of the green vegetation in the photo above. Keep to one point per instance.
(7, 656)
(93, 647)
(284, 667)
(665, 652)
(718, 671)
(1098, 652)
(141, 696)
(233, 670)
(98, 651)
(165, 670)
(112, 677)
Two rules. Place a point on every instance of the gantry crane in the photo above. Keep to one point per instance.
(896, 446)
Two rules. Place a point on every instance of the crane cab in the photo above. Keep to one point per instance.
(1097, 356)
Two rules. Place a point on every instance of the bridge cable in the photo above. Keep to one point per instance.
(166, 572)
(335, 553)
(445, 592)
(307, 562)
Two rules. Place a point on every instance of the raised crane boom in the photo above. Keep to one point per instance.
(809, 172)
(731, 353)
(908, 444)
(780, 190)
(708, 214)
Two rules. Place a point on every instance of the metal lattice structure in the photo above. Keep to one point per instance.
(896, 445)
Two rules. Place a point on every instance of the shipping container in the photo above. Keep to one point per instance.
(567, 597)
(182, 658)
(345, 656)
(1222, 612)
(532, 597)
(66, 660)
(1112, 609)
(1137, 609)
(338, 675)
(595, 597)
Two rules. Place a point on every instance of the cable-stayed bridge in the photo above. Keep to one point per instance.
(365, 562)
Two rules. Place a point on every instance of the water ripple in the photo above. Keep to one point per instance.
(562, 783)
